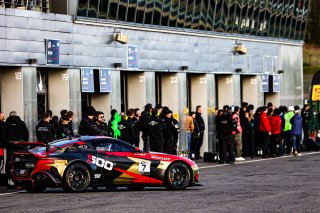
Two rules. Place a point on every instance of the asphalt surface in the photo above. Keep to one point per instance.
(286, 184)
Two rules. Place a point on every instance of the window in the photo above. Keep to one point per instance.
(165, 12)
(103, 9)
(112, 145)
(140, 11)
(122, 7)
(173, 13)
(149, 11)
(132, 7)
(157, 12)
(218, 15)
(83, 8)
(189, 14)
(182, 13)
(196, 15)
(93, 9)
(203, 15)
(211, 15)
(113, 10)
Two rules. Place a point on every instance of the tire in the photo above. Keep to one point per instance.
(135, 188)
(77, 178)
(35, 189)
(178, 176)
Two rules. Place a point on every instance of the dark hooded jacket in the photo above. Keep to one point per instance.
(45, 132)
(296, 122)
(16, 129)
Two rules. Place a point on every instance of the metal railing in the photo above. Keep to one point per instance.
(36, 5)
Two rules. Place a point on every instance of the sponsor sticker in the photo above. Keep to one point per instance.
(144, 167)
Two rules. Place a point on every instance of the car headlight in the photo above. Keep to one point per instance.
(29, 165)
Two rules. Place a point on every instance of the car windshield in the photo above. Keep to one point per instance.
(53, 146)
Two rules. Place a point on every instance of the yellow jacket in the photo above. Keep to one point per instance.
(189, 125)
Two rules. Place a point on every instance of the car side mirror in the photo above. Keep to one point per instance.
(137, 150)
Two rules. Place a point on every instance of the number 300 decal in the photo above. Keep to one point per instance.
(102, 163)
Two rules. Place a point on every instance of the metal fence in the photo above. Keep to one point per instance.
(36, 5)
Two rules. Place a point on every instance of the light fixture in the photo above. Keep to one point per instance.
(121, 38)
(32, 60)
(117, 65)
(184, 67)
(240, 48)
(280, 71)
(238, 70)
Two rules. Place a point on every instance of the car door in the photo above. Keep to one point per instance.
(112, 159)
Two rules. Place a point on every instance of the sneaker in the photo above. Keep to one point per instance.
(299, 154)
(240, 159)
(295, 153)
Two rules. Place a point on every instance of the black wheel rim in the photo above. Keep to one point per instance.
(78, 178)
(179, 176)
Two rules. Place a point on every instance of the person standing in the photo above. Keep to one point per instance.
(296, 131)
(224, 128)
(2, 131)
(85, 123)
(63, 130)
(189, 126)
(135, 119)
(305, 114)
(143, 126)
(237, 133)
(99, 127)
(201, 125)
(264, 131)
(44, 130)
(15, 128)
(125, 126)
(287, 129)
(155, 129)
(275, 129)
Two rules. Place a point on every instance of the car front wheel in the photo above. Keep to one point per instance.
(178, 176)
(77, 178)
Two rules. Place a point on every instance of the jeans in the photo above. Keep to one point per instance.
(296, 143)
(238, 143)
(189, 137)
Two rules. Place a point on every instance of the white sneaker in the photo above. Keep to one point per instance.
(240, 159)
(299, 154)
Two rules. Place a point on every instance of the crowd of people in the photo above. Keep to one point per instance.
(240, 131)
(269, 131)
(156, 126)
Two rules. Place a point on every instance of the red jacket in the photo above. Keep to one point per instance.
(264, 122)
(275, 124)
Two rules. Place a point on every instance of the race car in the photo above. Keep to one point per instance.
(78, 163)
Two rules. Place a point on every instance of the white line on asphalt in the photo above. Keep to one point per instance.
(10, 193)
(252, 161)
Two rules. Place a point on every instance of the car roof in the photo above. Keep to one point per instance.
(66, 142)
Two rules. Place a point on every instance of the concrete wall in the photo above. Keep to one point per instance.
(136, 89)
(58, 96)
(12, 91)
(199, 96)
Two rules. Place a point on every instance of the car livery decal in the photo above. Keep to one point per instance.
(100, 162)
(139, 178)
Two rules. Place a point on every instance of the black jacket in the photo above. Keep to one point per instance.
(63, 131)
(200, 121)
(225, 125)
(45, 132)
(100, 129)
(127, 131)
(155, 129)
(85, 126)
(142, 124)
(16, 129)
(2, 134)
(305, 117)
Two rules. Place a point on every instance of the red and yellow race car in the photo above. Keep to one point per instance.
(76, 164)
